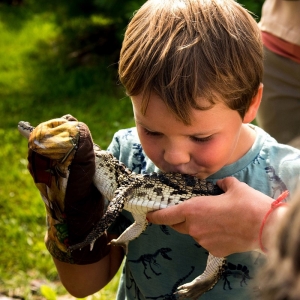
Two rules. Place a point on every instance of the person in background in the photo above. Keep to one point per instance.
(279, 112)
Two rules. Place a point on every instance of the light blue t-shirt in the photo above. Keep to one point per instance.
(161, 259)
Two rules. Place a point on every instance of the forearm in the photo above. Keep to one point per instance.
(83, 280)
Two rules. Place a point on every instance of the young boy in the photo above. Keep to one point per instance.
(193, 71)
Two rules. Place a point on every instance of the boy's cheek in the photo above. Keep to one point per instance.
(152, 150)
(212, 159)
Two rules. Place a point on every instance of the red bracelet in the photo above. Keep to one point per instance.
(276, 203)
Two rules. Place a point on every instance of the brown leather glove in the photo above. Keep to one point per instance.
(61, 161)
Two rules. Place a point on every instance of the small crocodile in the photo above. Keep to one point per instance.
(137, 193)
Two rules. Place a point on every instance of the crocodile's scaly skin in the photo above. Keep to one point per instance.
(140, 194)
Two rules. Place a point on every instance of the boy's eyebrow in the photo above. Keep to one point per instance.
(138, 122)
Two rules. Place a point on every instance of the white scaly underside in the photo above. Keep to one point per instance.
(142, 206)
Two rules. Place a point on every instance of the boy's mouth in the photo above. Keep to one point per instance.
(199, 175)
(184, 169)
(181, 172)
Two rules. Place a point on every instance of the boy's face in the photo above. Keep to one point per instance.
(215, 138)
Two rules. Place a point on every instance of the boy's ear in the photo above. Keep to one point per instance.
(254, 106)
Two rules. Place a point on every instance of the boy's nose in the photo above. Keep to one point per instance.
(176, 157)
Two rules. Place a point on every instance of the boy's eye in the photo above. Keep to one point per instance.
(201, 140)
(153, 133)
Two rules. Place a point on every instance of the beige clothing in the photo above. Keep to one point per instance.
(279, 112)
(282, 19)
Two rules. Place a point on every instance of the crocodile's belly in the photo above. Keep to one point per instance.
(142, 206)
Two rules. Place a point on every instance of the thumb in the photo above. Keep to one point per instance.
(167, 216)
(227, 183)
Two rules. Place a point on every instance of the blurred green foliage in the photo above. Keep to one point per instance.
(39, 81)
(253, 6)
(88, 28)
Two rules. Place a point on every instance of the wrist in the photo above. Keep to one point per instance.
(271, 220)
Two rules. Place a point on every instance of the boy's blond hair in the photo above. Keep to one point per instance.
(184, 50)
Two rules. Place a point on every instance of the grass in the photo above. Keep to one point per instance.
(37, 83)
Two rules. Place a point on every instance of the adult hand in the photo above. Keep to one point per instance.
(223, 224)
